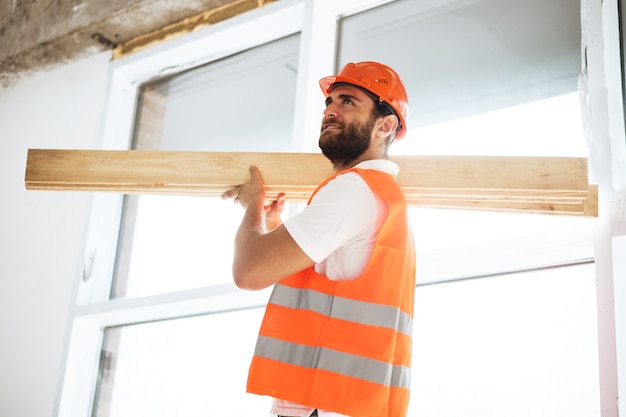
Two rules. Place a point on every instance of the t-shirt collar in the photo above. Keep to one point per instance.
(384, 165)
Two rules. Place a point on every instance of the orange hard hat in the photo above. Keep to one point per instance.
(378, 79)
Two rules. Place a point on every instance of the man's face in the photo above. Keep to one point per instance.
(347, 125)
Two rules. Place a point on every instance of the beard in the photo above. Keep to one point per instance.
(346, 145)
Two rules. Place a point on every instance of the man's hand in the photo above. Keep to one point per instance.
(273, 212)
(265, 252)
(250, 193)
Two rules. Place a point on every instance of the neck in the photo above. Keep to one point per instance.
(337, 167)
(342, 167)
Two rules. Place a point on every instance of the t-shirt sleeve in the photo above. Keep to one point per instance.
(341, 213)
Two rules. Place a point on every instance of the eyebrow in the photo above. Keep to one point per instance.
(341, 97)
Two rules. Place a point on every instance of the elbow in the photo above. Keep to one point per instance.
(244, 284)
(247, 280)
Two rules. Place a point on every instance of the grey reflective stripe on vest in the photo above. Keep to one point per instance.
(335, 361)
(343, 308)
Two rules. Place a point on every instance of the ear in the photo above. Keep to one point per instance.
(387, 126)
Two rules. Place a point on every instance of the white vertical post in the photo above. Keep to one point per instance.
(599, 35)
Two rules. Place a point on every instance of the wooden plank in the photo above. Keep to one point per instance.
(544, 185)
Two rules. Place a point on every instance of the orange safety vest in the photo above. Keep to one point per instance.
(345, 346)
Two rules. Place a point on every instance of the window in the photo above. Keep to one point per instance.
(492, 78)
(505, 314)
(483, 78)
(467, 64)
(515, 345)
(192, 366)
(174, 243)
(243, 102)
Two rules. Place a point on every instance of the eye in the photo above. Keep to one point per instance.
(347, 100)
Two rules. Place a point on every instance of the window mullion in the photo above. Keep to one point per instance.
(318, 41)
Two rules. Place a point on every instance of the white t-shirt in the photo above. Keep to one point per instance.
(338, 231)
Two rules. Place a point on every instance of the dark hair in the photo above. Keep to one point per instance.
(382, 109)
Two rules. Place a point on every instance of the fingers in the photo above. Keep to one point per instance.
(277, 205)
(280, 201)
(248, 191)
(234, 193)
(255, 174)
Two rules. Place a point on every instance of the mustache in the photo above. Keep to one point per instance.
(331, 120)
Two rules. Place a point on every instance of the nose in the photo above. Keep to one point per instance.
(330, 111)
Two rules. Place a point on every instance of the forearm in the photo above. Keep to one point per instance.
(263, 258)
(247, 243)
(252, 226)
(264, 250)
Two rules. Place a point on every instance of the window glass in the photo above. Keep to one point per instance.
(513, 345)
(243, 103)
(467, 64)
(176, 243)
(485, 77)
(492, 78)
(191, 367)
(457, 244)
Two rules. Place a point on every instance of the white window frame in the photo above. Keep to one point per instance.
(316, 20)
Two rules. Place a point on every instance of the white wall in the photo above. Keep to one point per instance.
(41, 232)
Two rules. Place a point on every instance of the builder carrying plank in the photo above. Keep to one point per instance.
(336, 336)
(545, 185)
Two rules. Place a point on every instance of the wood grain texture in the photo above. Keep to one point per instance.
(535, 184)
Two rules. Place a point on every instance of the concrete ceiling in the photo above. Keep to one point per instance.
(41, 34)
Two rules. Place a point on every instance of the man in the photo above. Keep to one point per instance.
(336, 337)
